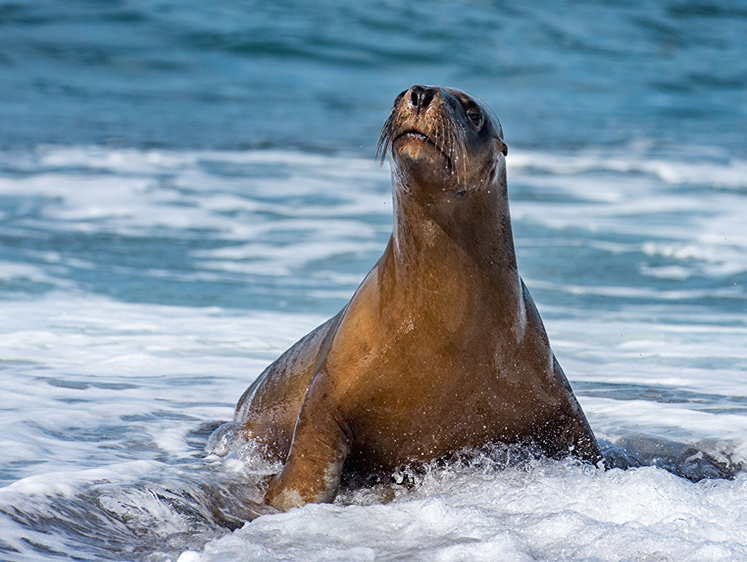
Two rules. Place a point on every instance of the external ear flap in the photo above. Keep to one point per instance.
(503, 146)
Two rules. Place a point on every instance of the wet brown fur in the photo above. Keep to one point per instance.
(441, 348)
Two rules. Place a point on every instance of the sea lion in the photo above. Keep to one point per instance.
(441, 347)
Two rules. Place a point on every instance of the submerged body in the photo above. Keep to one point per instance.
(441, 348)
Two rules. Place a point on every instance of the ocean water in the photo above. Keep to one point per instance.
(186, 189)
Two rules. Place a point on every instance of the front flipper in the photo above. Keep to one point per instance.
(313, 468)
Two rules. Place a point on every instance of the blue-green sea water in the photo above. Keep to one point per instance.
(186, 188)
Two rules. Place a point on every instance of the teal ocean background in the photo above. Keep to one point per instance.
(187, 188)
(320, 76)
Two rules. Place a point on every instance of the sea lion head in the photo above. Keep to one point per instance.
(443, 142)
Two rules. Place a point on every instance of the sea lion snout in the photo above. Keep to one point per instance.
(420, 97)
(442, 141)
(423, 137)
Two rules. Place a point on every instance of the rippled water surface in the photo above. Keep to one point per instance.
(186, 189)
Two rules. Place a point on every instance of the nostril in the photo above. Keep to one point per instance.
(416, 93)
(426, 98)
(421, 97)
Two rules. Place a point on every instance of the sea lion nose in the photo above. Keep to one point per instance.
(421, 97)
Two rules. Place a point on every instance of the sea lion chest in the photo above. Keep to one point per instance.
(419, 369)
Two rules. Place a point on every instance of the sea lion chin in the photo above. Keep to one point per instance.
(441, 348)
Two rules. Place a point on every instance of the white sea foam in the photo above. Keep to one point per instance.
(718, 172)
(553, 511)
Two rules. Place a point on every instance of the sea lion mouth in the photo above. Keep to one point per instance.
(418, 136)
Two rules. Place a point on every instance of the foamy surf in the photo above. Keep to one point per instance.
(544, 511)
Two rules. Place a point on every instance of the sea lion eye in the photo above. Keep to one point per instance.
(475, 117)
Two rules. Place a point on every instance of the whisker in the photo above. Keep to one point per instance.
(385, 137)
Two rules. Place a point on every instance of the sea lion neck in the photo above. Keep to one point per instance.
(473, 227)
